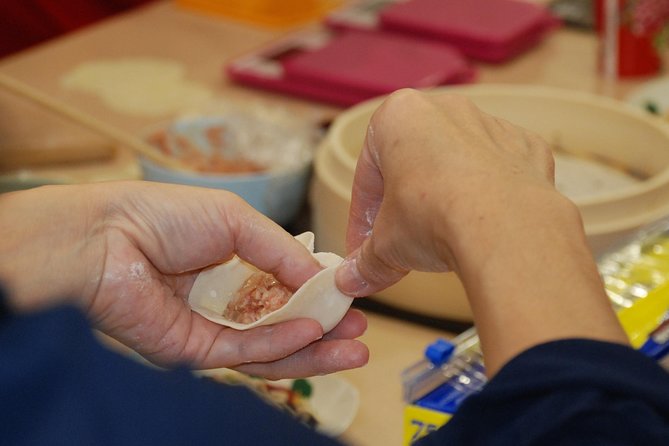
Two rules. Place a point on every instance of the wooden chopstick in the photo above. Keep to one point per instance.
(127, 140)
(29, 156)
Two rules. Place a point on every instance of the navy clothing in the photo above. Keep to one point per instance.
(570, 392)
(58, 385)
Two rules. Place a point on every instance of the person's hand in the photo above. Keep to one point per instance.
(128, 254)
(442, 186)
(434, 171)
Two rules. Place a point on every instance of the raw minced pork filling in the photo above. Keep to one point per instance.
(261, 294)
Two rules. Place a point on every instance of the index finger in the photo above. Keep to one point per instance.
(264, 244)
(184, 229)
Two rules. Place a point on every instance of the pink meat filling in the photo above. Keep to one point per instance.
(259, 295)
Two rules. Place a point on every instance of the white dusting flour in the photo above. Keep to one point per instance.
(580, 178)
(137, 271)
(138, 86)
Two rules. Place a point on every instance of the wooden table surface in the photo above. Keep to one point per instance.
(203, 44)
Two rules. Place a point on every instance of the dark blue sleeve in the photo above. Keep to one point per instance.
(570, 392)
(59, 386)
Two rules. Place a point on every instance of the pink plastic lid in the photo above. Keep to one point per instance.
(490, 30)
(373, 63)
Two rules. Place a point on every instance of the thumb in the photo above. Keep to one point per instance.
(364, 272)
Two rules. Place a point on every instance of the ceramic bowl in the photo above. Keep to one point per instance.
(278, 190)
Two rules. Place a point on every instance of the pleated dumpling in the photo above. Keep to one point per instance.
(239, 284)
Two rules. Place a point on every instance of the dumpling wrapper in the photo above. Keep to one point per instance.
(318, 298)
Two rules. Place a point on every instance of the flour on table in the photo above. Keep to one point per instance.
(138, 86)
(581, 179)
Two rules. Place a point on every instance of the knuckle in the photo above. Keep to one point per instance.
(400, 101)
(375, 268)
(456, 100)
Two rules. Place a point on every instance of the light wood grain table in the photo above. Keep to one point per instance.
(203, 44)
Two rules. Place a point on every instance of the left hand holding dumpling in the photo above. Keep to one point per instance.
(130, 253)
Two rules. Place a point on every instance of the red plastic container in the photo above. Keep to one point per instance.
(488, 30)
(351, 66)
(636, 54)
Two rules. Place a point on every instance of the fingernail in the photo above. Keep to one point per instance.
(349, 280)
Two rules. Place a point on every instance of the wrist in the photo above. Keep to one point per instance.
(46, 252)
(533, 274)
(502, 226)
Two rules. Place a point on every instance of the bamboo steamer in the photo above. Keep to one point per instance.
(600, 127)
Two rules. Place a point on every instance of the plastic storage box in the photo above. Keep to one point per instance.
(264, 12)
(350, 66)
(487, 30)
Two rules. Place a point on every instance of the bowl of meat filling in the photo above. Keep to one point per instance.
(264, 161)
